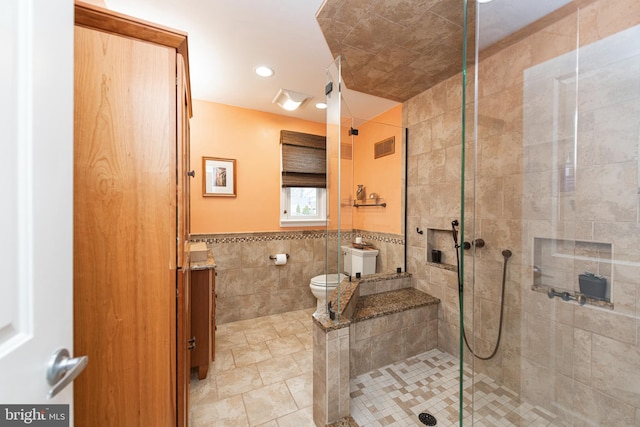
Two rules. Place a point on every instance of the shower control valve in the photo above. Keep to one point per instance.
(478, 243)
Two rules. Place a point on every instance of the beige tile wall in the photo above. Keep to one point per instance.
(383, 340)
(250, 285)
(577, 361)
(331, 399)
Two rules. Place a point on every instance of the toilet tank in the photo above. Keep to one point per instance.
(361, 261)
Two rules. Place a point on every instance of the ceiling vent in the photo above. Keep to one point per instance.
(384, 148)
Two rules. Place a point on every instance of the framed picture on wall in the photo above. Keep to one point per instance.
(219, 177)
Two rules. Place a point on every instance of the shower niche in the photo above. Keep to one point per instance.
(570, 269)
(440, 250)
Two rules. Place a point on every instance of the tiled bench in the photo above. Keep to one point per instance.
(391, 326)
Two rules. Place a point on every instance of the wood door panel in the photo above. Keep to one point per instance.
(184, 289)
(124, 193)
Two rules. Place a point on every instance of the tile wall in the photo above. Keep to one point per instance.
(579, 362)
(250, 285)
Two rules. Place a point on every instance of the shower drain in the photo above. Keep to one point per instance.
(427, 419)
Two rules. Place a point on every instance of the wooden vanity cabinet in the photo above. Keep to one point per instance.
(203, 319)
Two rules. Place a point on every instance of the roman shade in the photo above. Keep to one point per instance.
(304, 159)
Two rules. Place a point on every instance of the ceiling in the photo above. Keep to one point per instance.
(396, 49)
(391, 49)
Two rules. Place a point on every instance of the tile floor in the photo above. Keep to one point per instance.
(262, 376)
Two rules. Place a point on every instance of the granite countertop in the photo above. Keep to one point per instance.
(209, 264)
(347, 290)
(376, 305)
(326, 324)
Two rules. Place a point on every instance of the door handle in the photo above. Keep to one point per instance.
(62, 370)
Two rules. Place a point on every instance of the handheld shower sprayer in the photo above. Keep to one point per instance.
(454, 224)
(506, 253)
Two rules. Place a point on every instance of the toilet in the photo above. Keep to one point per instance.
(321, 287)
(361, 261)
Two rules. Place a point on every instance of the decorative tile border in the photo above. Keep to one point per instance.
(269, 236)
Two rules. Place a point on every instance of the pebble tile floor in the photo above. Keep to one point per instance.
(262, 376)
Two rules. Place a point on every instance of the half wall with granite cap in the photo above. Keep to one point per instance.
(379, 319)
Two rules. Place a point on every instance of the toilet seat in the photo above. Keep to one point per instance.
(327, 280)
(321, 286)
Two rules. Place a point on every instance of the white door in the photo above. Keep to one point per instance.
(36, 189)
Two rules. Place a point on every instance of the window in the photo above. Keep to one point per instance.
(303, 194)
(303, 206)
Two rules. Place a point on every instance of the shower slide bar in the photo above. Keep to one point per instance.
(566, 296)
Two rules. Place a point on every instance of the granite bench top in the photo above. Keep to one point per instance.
(354, 308)
(385, 303)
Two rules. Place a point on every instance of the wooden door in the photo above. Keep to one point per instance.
(36, 118)
(124, 199)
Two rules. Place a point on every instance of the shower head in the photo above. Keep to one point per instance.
(506, 254)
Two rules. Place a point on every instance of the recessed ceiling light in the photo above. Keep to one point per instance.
(321, 106)
(264, 71)
(290, 100)
(484, 1)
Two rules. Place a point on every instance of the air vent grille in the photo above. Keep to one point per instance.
(384, 148)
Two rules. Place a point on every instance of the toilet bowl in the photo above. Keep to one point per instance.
(355, 261)
(321, 286)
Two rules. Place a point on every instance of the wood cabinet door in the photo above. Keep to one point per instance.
(183, 314)
(124, 196)
(184, 303)
(201, 320)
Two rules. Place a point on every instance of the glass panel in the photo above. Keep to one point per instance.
(552, 187)
(334, 172)
(377, 217)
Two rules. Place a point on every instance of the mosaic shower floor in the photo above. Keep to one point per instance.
(396, 394)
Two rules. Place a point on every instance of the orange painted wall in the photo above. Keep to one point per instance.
(253, 139)
(382, 176)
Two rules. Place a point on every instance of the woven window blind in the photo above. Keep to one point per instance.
(304, 159)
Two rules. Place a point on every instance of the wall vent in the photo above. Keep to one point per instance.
(346, 151)
(384, 147)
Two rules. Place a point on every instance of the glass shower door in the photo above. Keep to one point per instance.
(553, 176)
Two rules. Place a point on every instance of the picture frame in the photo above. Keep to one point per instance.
(218, 177)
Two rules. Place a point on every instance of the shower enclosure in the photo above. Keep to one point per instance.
(365, 181)
(550, 160)
(530, 157)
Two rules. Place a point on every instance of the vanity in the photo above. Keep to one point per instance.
(203, 314)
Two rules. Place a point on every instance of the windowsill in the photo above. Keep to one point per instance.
(302, 222)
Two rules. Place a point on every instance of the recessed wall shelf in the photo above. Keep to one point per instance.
(442, 240)
(449, 267)
(558, 264)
